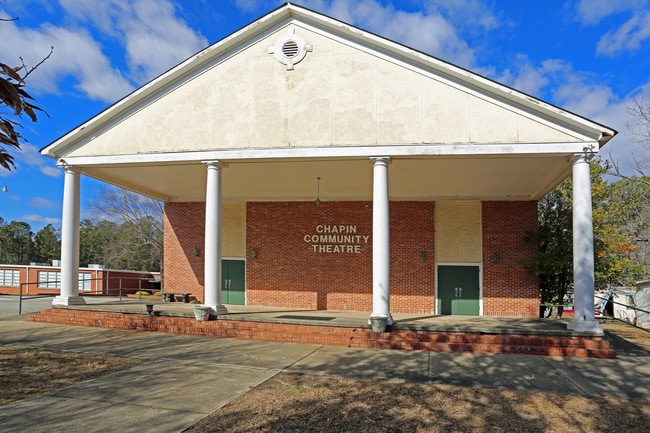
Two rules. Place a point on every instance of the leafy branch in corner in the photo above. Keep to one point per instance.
(14, 97)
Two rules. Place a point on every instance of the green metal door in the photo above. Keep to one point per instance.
(458, 290)
(233, 282)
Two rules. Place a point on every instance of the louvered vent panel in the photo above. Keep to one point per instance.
(290, 49)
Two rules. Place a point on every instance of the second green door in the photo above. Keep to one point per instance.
(458, 290)
(233, 282)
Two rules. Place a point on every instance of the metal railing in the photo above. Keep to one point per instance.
(105, 291)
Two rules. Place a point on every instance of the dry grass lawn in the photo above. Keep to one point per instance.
(28, 372)
(303, 403)
(307, 403)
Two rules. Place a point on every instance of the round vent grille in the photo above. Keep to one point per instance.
(290, 49)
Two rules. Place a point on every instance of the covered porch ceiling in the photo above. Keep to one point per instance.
(435, 178)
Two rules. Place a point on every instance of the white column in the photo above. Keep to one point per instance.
(69, 294)
(380, 240)
(583, 248)
(212, 249)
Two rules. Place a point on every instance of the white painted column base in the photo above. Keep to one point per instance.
(588, 326)
(218, 310)
(388, 317)
(68, 300)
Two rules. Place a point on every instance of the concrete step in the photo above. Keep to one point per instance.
(500, 342)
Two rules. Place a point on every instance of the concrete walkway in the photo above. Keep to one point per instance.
(186, 378)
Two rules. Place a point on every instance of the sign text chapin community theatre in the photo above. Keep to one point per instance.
(340, 238)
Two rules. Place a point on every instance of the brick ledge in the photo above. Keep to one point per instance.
(397, 339)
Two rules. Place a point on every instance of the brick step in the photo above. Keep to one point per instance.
(400, 339)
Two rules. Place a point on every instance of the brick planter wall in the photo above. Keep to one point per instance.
(402, 339)
(508, 290)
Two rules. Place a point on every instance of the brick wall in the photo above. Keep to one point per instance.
(289, 272)
(184, 229)
(508, 290)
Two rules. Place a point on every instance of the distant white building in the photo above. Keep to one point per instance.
(643, 303)
(628, 304)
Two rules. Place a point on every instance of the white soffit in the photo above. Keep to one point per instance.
(350, 179)
(474, 150)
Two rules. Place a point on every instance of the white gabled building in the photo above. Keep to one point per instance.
(426, 175)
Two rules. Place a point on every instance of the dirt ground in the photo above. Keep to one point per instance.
(25, 373)
(304, 403)
(308, 403)
(626, 339)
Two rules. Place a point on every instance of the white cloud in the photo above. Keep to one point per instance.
(430, 32)
(581, 93)
(464, 13)
(42, 203)
(248, 5)
(592, 12)
(50, 171)
(523, 76)
(558, 81)
(628, 33)
(41, 219)
(153, 37)
(13, 197)
(76, 55)
(629, 37)
(29, 157)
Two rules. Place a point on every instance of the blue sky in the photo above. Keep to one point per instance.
(591, 57)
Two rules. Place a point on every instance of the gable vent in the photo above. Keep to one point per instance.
(290, 49)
